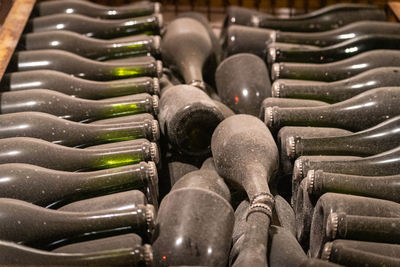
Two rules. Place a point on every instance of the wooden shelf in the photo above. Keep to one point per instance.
(11, 30)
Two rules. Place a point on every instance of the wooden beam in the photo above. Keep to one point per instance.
(11, 30)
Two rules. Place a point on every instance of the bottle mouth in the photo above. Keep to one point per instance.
(155, 104)
(155, 130)
(326, 251)
(154, 153)
(275, 71)
(156, 86)
(160, 20)
(157, 7)
(156, 45)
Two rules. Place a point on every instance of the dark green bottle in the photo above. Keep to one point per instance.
(335, 52)
(67, 62)
(73, 134)
(78, 87)
(341, 225)
(14, 254)
(351, 205)
(76, 109)
(327, 18)
(334, 92)
(355, 114)
(338, 70)
(35, 226)
(375, 140)
(41, 153)
(98, 28)
(52, 188)
(90, 47)
(361, 253)
(126, 119)
(383, 187)
(91, 9)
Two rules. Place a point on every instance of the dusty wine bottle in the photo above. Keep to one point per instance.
(243, 83)
(90, 47)
(76, 109)
(249, 136)
(375, 140)
(188, 118)
(18, 224)
(67, 62)
(355, 114)
(91, 9)
(334, 92)
(365, 228)
(185, 218)
(78, 87)
(41, 153)
(327, 18)
(15, 254)
(352, 205)
(126, 119)
(338, 70)
(45, 187)
(361, 253)
(335, 52)
(383, 187)
(98, 28)
(73, 134)
(186, 46)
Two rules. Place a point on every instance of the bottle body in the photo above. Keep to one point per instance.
(90, 47)
(78, 87)
(75, 109)
(78, 66)
(48, 155)
(98, 28)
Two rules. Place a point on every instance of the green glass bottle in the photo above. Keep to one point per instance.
(338, 70)
(76, 109)
(73, 134)
(98, 28)
(95, 10)
(52, 188)
(67, 62)
(337, 91)
(90, 47)
(355, 114)
(41, 153)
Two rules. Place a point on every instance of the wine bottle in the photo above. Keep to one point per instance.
(78, 87)
(18, 224)
(286, 132)
(102, 244)
(188, 118)
(385, 163)
(75, 109)
(334, 92)
(284, 215)
(355, 114)
(41, 153)
(375, 140)
(352, 205)
(15, 254)
(125, 119)
(49, 188)
(335, 52)
(246, 135)
(243, 83)
(186, 46)
(361, 253)
(327, 18)
(364, 228)
(115, 201)
(384, 187)
(67, 62)
(186, 220)
(73, 134)
(98, 28)
(287, 103)
(96, 10)
(91, 47)
(338, 70)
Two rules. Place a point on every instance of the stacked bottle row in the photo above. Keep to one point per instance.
(79, 136)
(325, 84)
